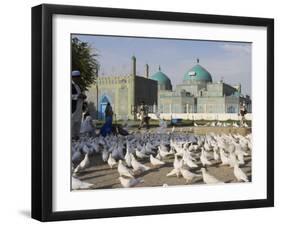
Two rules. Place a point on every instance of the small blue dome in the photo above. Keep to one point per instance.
(163, 80)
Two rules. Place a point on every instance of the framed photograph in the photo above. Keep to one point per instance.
(145, 112)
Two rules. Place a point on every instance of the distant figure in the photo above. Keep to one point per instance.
(107, 126)
(118, 129)
(77, 99)
(243, 112)
(108, 112)
(143, 111)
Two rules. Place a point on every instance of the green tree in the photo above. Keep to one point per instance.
(85, 60)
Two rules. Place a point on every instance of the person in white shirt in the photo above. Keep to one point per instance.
(143, 112)
(77, 98)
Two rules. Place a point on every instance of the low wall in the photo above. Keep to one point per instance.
(201, 116)
(221, 130)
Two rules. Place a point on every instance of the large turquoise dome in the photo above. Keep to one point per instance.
(197, 73)
(163, 80)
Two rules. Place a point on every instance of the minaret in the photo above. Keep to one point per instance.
(134, 67)
(133, 98)
(146, 71)
(239, 88)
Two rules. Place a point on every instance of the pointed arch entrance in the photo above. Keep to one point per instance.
(103, 102)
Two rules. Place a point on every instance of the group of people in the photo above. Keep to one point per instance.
(82, 122)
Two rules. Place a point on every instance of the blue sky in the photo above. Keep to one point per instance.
(230, 61)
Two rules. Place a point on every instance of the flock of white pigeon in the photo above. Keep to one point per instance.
(223, 124)
(137, 153)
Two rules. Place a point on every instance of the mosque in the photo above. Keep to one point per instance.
(197, 94)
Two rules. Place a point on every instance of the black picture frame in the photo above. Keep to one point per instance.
(42, 111)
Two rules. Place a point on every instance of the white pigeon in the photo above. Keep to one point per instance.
(188, 146)
(129, 147)
(137, 166)
(207, 146)
(123, 170)
(172, 151)
(78, 184)
(158, 156)
(204, 159)
(240, 157)
(216, 150)
(141, 155)
(130, 182)
(148, 149)
(149, 146)
(193, 147)
(241, 149)
(188, 161)
(128, 158)
(232, 159)
(195, 124)
(117, 152)
(231, 148)
(163, 152)
(187, 175)
(177, 165)
(105, 155)
(155, 161)
(83, 164)
(224, 158)
(180, 151)
(216, 155)
(239, 174)
(111, 161)
(208, 178)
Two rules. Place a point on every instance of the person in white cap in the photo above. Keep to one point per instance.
(77, 98)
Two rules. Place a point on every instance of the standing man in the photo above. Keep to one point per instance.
(243, 112)
(77, 99)
(143, 115)
(108, 112)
